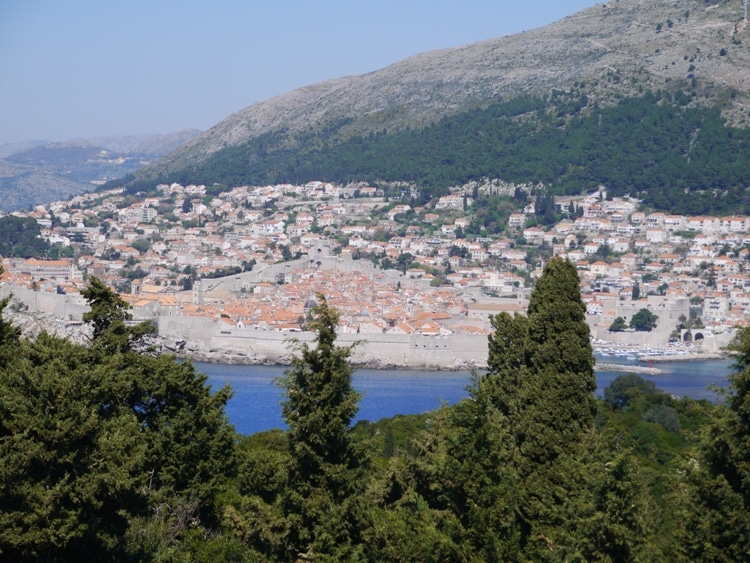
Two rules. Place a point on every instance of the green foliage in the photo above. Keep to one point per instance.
(326, 469)
(70, 451)
(108, 316)
(644, 321)
(626, 387)
(21, 237)
(507, 461)
(111, 453)
(97, 440)
(656, 147)
(391, 436)
(665, 416)
(9, 333)
(618, 325)
(561, 356)
(618, 527)
(720, 526)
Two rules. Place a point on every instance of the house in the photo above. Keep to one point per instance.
(516, 220)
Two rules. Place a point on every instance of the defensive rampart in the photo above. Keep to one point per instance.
(69, 307)
(208, 340)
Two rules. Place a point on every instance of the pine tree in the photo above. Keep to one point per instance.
(71, 454)
(108, 316)
(95, 441)
(326, 473)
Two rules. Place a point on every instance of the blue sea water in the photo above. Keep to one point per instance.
(256, 404)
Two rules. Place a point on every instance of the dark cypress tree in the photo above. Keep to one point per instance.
(559, 390)
(326, 473)
(513, 468)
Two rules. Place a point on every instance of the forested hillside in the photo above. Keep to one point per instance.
(664, 148)
(112, 453)
(646, 98)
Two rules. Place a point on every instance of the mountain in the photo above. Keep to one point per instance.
(38, 172)
(688, 58)
(8, 149)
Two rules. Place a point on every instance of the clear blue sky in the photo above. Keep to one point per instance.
(83, 68)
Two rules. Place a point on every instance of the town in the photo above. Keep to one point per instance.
(255, 259)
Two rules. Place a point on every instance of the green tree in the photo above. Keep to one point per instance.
(644, 321)
(326, 474)
(71, 452)
(718, 527)
(618, 528)
(561, 359)
(618, 325)
(103, 447)
(9, 333)
(191, 448)
(624, 388)
(21, 236)
(636, 293)
(508, 465)
(108, 315)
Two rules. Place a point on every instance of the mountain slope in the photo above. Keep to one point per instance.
(40, 172)
(419, 120)
(652, 42)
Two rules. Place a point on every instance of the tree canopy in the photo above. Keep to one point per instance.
(101, 444)
(21, 237)
(644, 321)
(111, 452)
(326, 467)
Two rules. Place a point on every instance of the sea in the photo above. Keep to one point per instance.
(256, 404)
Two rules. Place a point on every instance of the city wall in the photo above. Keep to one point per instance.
(68, 307)
(285, 272)
(210, 341)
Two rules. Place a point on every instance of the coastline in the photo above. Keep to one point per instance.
(690, 357)
(599, 365)
(244, 360)
(626, 368)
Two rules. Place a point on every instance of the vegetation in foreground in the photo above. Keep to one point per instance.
(111, 453)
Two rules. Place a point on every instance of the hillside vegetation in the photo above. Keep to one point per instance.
(638, 96)
(656, 147)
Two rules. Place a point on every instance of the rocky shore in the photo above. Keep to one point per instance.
(33, 323)
(691, 357)
(624, 368)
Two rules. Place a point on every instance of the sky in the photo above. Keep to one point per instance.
(81, 68)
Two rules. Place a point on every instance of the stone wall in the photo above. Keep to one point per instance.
(69, 307)
(213, 341)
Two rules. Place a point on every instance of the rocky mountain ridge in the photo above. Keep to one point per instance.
(616, 49)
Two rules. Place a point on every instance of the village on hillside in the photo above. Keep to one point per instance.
(255, 258)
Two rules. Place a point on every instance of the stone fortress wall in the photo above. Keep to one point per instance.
(68, 307)
(206, 340)
(211, 340)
